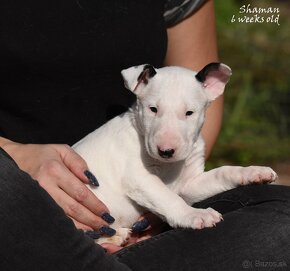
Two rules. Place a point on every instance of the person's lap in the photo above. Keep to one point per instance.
(36, 235)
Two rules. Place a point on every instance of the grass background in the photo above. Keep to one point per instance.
(257, 99)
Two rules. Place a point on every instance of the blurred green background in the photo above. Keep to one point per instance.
(257, 99)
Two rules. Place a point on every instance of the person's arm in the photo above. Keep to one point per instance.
(192, 44)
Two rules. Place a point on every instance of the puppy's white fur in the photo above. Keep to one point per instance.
(125, 153)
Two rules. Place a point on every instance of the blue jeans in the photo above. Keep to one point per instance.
(35, 233)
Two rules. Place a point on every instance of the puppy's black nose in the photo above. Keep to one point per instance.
(166, 153)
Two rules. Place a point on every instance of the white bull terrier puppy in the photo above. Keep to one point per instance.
(152, 156)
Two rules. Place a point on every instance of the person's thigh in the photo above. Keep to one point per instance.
(255, 234)
(35, 233)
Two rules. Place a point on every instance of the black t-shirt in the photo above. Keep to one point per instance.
(61, 61)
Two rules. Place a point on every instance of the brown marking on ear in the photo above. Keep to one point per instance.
(148, 72)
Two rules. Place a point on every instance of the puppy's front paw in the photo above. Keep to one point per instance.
(257, 174)
(121, 237)
(200, 218)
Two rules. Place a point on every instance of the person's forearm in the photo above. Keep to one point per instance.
(4, 141)
(192, 44)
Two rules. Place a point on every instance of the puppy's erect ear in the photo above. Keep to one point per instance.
(214, 77)
(137, 76)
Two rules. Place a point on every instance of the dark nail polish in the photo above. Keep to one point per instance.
(91, 177)
(107, 231)
(140, 225)
(108, 218)
(93, 234)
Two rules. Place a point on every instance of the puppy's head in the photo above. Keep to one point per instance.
(171, 105)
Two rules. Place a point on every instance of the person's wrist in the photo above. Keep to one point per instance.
(4, 142)
(8, 146)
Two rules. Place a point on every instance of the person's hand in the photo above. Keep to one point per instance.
(147, 226)
(63, 174)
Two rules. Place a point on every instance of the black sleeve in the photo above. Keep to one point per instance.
(177, 10)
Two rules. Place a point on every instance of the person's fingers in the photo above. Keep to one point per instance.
(141, 225)
(81, 226)
(144, 237)
(76, 164)
(78, 191)
(137, 237)
(146, 221)
(56, 175)
(73, 161)
(71, 194)
(111, 248)
(75, 210)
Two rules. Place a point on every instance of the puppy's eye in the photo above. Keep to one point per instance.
(153, 109)
(189, 113)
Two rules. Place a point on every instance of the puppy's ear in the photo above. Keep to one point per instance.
(214, 77)
(137, 77)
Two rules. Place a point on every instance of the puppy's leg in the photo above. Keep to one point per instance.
(150, 192)
(121, 237)
(222, 179)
